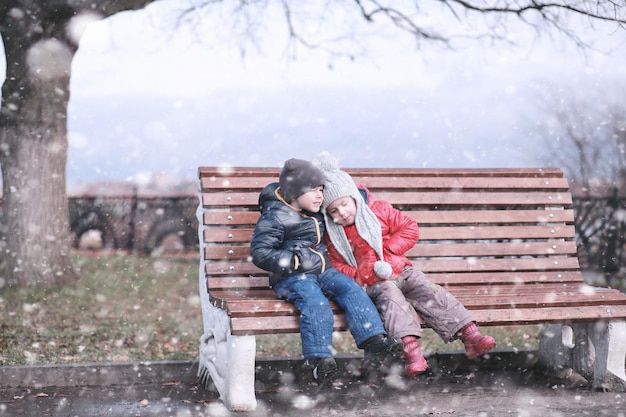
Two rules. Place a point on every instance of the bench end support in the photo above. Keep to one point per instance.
(596, 351)
(229, 361)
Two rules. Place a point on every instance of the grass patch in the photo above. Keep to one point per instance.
(132, 308)
(125, 308)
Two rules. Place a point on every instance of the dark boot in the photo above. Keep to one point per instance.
(380, 351)
(475, 343)
(323, 370)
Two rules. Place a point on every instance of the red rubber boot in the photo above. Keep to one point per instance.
(475, 343)
(415, 362)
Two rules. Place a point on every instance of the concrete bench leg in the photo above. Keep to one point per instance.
(596, 351)
(229, 361)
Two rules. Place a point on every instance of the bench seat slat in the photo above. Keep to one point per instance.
(273, 307)
(549, 315)
(539, 301)
(264, 302)
(241, 326)
(489, 317)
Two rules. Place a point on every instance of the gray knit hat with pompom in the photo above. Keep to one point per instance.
(337, 184)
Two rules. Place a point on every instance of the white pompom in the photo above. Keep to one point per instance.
(383, 270)
(326, 162)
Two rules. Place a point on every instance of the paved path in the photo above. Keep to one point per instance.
(468, 391)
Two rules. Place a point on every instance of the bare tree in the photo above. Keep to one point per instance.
(586, 136)
(40, 39)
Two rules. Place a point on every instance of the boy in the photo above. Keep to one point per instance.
(367, 240)
(288, 242)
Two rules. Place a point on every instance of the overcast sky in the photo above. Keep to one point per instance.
(145, 99)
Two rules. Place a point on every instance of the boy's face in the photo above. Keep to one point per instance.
(342, 211)
(311, 200)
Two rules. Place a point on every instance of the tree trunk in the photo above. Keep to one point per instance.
(35, 213)
(33, 152)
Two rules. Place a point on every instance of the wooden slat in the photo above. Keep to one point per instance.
(549, 315)
(216, 235)
(243, 183)
(241, 326)
(493, 249)
(248, 200)
(430, 266)
(242, 253)
(496, 232)
(510, 277)
(377, 183)
(541, 301)
(237, 282)
(233, 236)
(235, 218)
(434, 217)
(493, 317)
(230, 218)
(543, 172)
(232, 268)
(251, 303)
(276, 308)
(470, 199)
(260, 307)
(544, 290)
(225, 252)
(418, 199)
(456, 172)
(501, 264)
(450, 280)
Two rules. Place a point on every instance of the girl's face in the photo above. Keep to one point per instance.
(342, 211)
(311, 200)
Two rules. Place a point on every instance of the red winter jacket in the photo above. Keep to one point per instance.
(400, 233)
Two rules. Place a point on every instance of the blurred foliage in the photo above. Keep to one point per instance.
(133, 308)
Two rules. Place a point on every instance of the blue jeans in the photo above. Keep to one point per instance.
(310, 294)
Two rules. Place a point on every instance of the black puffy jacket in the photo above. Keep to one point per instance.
(287, 241)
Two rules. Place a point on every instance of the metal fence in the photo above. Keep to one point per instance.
(600, 226)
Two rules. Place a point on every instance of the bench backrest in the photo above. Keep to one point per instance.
(482, 226)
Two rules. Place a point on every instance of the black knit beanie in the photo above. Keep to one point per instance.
(298, 177)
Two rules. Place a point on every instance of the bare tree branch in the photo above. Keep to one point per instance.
(587, 139)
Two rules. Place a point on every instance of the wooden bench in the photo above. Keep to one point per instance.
(501, 240)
